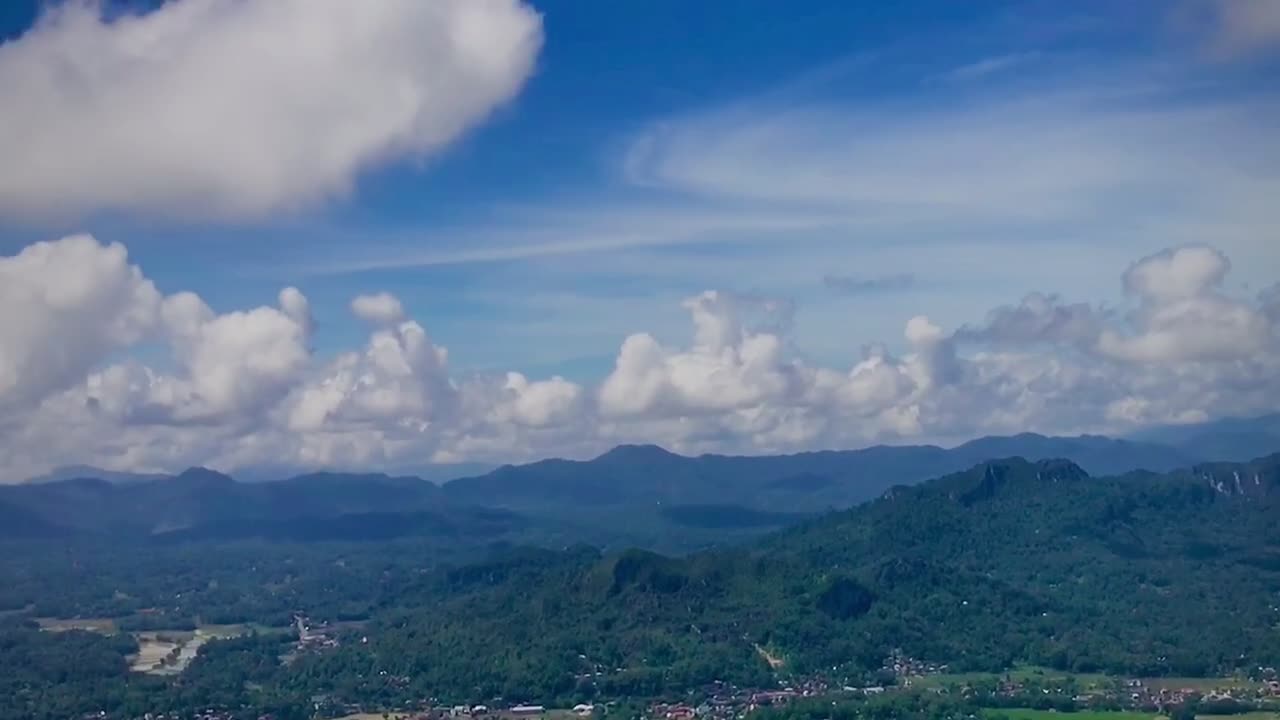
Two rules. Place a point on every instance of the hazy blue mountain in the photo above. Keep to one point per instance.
(71, 472)
(638, 495)
(1229, 439)
(436, 473)
(204, 504)
(804, 482)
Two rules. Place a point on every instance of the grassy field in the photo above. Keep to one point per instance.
(1201, 684)
(100, 625)
(228, 631)
(1086, 681)
(1260, 715)
(154, 648)
(1029, 714)
(1020, 674)
(179, 648)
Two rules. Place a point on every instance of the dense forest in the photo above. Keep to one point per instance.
(1009, 562)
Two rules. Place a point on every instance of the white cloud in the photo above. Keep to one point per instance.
(380, 309)
(243, 388)
(1176, 274)
(1039, 318)
(728, 368)
(1183, 316)
(66, 306)
(539, 403)
(236, 108)
(400, 375)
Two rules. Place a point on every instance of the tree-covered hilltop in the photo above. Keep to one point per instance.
(1009, 562)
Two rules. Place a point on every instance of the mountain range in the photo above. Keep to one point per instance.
(638, 495)
(1008, 562)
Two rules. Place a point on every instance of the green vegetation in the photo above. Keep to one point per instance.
(1031, 714)
(1009, 563)
(1033, 567)
(1202, 684)
(910, 706)
(1021, 674)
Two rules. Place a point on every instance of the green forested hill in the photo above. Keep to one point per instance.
(1008, 562)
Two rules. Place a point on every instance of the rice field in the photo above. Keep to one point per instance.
(1087, 680)
(154, 649)
(106, 626)
(1019, 674)
(169, 653)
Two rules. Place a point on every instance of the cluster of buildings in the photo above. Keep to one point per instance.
(1158, 696)
(523, 710)
(1162, 697)
(313, 638)
(904, 667)
(324, 707)
(723, 701)
(202, 715)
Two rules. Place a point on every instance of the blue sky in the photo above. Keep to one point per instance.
(846, 166)
(607, 72)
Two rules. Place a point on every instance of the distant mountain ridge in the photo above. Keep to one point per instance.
(203, 504)
(438, 474)
(1224, 440)
(631, 495)
(807, 482)
(73, 472)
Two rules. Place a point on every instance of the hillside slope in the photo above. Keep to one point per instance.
(1010, 561)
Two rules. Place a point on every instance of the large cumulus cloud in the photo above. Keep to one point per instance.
(235, 107)
(244, 387)
(66, 304)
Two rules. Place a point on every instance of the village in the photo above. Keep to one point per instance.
(1026, 688)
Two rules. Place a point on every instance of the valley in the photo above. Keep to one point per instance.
(639, 360)
(1009, 575)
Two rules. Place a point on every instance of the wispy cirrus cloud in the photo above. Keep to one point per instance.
(857, 285)
(990, 65)
(1025, 182)
(1084, 146)
(780, 188)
